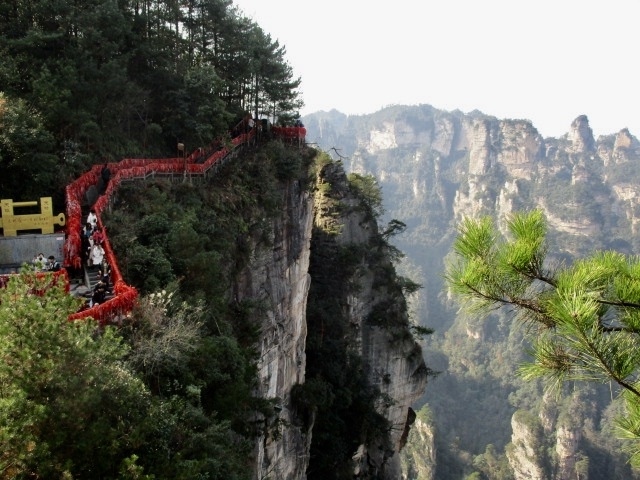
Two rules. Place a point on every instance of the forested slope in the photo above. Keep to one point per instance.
(85, 82)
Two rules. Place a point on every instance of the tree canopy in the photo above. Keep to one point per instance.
(583, 319)
(44, 431)
(104, 80)
(81, 401)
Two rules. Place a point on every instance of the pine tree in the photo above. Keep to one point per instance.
(69, 406)
(583, 319)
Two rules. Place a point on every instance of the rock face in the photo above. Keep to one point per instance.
(279, 278)
(581, 135)
(459, 165)
(530, 452)
(423, 452)
(525, 454)
(567, 447)
(375, 313)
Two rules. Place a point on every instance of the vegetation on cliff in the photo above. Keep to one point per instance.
(171, 388)
(64, 392)
(166, 395)
(170, 392)
(338, 392)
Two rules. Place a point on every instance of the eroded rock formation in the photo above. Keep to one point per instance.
(279, 278)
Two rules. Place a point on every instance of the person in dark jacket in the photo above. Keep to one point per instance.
(105, 174)
(52, 264)
(99, 294)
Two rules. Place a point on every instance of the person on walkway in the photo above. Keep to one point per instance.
(85, 238)
(52, 264)
(103, 276)
(99, 294)
(96, 255)
(105, 174)
(97, 236)
(92, 218)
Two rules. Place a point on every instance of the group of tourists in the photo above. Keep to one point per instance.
(92, 240)
(94, 256)
(48, 264)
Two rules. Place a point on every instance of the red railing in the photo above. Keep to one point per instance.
(290, 133)
(125, 295)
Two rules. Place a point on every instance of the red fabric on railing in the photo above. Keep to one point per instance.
(290, 133)
(121, 304)
(167, 167)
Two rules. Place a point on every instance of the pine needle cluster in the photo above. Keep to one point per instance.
(583, 319)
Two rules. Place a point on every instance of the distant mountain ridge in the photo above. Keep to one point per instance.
(453, 154)
(336, 117)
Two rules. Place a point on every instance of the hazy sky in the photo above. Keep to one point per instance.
(548, 61)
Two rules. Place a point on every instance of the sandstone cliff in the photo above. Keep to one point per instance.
(279, 277)
(420, 455)
(471, 164)
(304, 364)
(351, 264)
(538, 450)
(525, 455)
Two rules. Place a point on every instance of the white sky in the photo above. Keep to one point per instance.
(548, 61)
